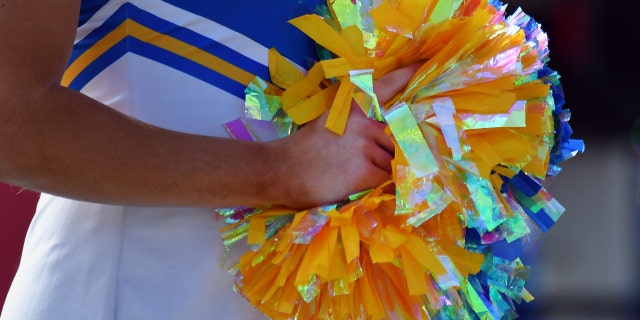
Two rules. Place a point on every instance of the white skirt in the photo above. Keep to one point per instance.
(90, 261)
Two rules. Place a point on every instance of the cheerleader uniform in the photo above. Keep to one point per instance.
(177, 64)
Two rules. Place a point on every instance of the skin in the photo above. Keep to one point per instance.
(55, 140)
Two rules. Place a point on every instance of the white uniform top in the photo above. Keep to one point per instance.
(162, 62)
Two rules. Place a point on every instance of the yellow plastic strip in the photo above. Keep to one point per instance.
(353, 36)
(283, 73)
(385, 14)
(313, 107)
(257, 230)
(296, 93)
(421, 252)
(339, 113)
(414, 273)
(323, 34)
(350, 241)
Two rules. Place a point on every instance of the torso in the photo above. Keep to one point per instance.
(166, 65)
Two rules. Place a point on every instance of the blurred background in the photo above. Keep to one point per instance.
(586, 266)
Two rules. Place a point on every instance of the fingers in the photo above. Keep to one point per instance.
(383, 149)
(383, 140)
(386, 88)
(382, 160)
(380, 148)
(393, 82)
(377, 178)
(326, 167)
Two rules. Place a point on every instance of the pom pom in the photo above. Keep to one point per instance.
(479, 127)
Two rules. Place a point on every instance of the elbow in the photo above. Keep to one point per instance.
(20, 130)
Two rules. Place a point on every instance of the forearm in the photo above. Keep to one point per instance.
(64, 143)
(56, 140)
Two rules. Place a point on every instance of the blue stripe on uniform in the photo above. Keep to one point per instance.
(197, 40)
(129, 44)
(98, 65)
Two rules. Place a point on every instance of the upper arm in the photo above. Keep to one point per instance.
(37, 38)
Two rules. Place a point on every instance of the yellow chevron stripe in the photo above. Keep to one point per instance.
(93, 53)
(190, 52)
(163, 41)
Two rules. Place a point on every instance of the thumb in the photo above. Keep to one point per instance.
(393, 82)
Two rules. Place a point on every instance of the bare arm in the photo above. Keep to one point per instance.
(56, 140)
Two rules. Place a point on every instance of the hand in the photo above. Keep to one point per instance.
(319, 167)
